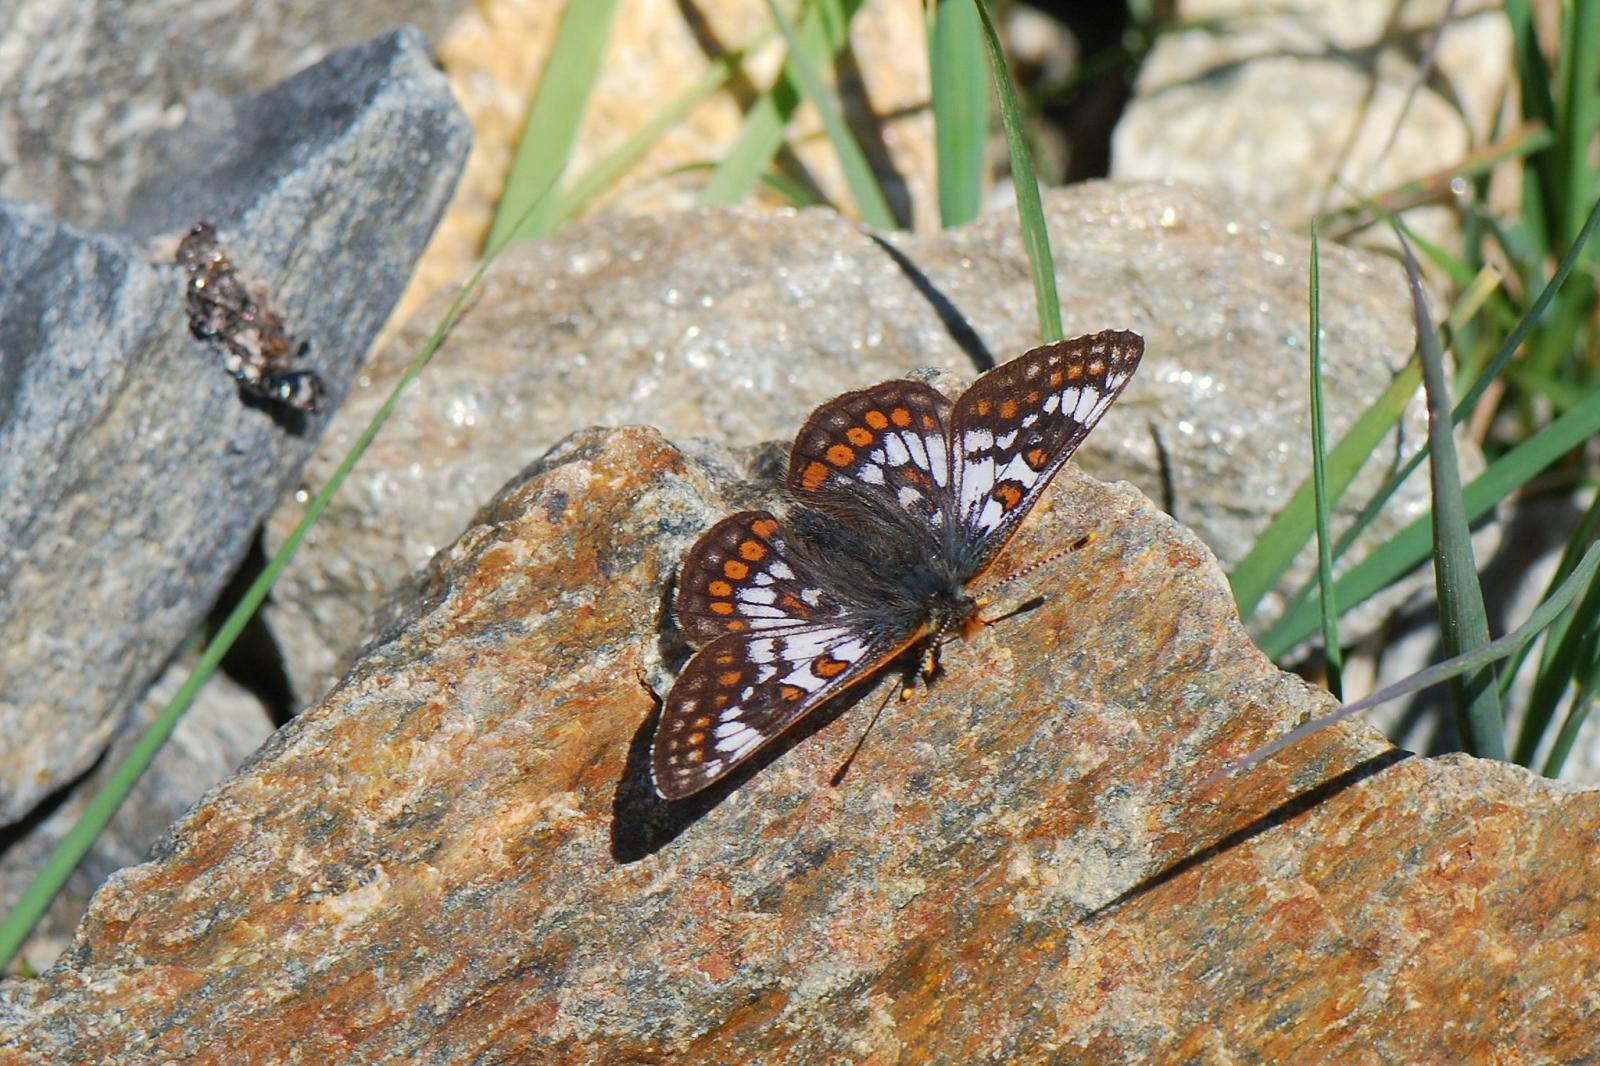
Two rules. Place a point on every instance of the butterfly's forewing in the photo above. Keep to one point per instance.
(892, 438)
(742, 690)
(1015, 427)
(741, 577)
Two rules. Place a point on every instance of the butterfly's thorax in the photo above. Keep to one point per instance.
(899, 572)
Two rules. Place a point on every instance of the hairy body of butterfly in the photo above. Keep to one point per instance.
(901, 498)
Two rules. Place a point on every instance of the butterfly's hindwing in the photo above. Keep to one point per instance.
(742, 690)
(741, 577)
(892, 438)
(1015, 427)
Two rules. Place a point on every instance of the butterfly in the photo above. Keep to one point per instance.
(900, 499)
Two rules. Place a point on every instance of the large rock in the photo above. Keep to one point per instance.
(88, 88)
(735, 325)
(458, 855)
(132, 473)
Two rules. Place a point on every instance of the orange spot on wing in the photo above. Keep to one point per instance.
(815, 474)
(929, 422)
(1075, 371)
(702, 722)
(1008, 409)
(1057, 377)
(829, 667)
(790, 693)
(736, 570)
(764, 527)
(753, 550)
(794, 605)
(983, 408)
(900, 417)
(841, 455)
(729, 678)
(1037, 458)
(858, 436)
(876, 419)
(720, 587)
(721, 607)
(1008, 495)
(737, 625)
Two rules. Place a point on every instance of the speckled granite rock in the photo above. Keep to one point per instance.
(132, 473)
(458, 855)
(735, 325)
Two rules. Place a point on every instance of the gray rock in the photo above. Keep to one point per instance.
(132, 475)
(86, 86)
(734, 325)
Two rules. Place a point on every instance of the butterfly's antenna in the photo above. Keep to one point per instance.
(838, 778)
(1039, 564)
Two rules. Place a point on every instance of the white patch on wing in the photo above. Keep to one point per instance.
(758, 595)
(802, 647)
(811, 596)
(1008, 440)
(766, 673)
(919, 454)
(1051, 404)
(757, 610)
(736, 744)
(977, 478)
(992, 513)
(938, 461)
(872, 474)
(977, 440)
(908, 497)
(896, 450)
(1069, 400)
(780, 570)
(763, 651)
(1030, 420)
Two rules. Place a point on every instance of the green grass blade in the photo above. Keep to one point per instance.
(1030, 210)
(1539, 193)
(1411, 545)
(1333, 654)
(1571, 651)
(551, 127)
(960, 109)
(1579, 713)
(864, 188)
(75, 844)
(1579, 110)
(1528, 739)
(1470, 662)
(595, 180)
(1463, 620)
(1275, 550)
(822, 32)
(1286, 542)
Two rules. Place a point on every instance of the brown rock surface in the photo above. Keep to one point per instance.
(458, 856)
